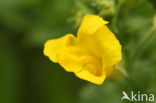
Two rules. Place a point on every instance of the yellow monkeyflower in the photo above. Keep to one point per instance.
(92, 55)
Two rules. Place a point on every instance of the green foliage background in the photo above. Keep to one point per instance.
(27, 76)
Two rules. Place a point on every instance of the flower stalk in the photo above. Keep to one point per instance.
(142, 45)
(115, 18)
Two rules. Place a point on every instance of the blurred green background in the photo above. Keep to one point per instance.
(27, 76)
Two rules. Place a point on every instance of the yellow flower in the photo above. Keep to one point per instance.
(92, 55)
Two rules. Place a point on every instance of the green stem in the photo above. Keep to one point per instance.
(140, 48)
(115, 18)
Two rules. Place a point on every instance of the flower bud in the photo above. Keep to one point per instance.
(105, 7)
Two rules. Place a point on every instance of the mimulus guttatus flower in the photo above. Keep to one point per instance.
(92, 55)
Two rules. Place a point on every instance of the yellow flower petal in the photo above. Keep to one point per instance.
(109, 46)
(86, 75)
(73, 58)
(89, 25)
(92, 71)
(88, 43)
(54, 46)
